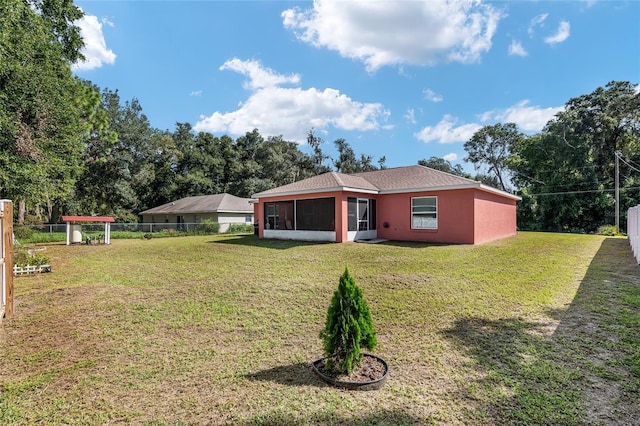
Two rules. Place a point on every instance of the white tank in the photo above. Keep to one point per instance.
(76, 234)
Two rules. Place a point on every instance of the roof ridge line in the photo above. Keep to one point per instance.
(338, 179)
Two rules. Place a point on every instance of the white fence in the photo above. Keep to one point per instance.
(633, 230)
(30, 269)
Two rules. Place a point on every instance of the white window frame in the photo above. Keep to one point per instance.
(426, 219)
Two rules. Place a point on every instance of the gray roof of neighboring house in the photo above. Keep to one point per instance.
(394, 180)
(218, 203)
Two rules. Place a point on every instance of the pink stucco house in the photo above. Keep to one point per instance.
(413, 203)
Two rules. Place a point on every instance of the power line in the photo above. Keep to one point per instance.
(581, 192)
(623, 160)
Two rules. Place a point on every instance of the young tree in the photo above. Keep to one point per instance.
(348, 327)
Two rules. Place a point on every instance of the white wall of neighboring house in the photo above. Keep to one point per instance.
(225, 219)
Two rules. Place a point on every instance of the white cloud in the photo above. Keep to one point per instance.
(446, 131)
(527, 118)
(259, 76)
(381, 33)
(289, 111)
(95, 48)
(432, 96)
(451, 157)
(516, 49)
(536, 21)
(561, 35)
(410, 116)
(196, 93)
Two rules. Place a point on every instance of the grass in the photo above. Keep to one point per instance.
(533, 329)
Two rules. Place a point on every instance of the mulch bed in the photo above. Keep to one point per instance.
(369, 370)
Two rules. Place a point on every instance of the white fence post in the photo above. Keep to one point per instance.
(633, 230)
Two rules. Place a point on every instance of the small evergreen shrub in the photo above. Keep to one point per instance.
(348, 327)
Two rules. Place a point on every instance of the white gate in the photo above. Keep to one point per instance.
(633, 230)
(6, 259)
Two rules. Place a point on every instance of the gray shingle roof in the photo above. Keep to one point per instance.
(204, 204)
(394, 180)
(327, 182)
(414, 178)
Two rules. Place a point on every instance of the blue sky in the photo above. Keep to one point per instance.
(403, 79)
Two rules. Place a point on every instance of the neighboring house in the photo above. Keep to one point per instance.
(413, 203)
(224, 209)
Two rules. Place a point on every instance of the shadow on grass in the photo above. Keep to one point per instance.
(530, 375)
(254, 241)
(299, 374)
(380, 418)
(414, 244)
(522, 377)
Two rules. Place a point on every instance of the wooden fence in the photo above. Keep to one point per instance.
(633, 230)
(6, 259)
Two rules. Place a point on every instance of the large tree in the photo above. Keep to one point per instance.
(45, 113)
(347, 162)
(444, 166)
(117, 164)
(318, 157)
(490, 147)
(567, 172)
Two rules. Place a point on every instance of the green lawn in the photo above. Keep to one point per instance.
(534, 329)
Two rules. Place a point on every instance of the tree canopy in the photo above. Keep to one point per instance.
(565, 173)
(45, 112)
(66, 146)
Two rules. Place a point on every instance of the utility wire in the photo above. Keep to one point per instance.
(624, 161)
(581, 192)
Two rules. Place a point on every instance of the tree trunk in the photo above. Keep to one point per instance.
(22, 210)
(38, 214)
(49, 210)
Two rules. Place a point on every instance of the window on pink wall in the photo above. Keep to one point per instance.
(424, 213)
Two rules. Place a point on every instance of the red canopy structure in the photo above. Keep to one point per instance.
(107, 220)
